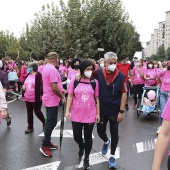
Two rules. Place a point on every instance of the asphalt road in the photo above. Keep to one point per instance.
(21, 151)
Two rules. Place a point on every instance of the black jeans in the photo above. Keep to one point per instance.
(52, 114)
(77, 132)
(101, 129)
(137, 90)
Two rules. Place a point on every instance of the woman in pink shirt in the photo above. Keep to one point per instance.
(164, 77)
(75, 65)
(150, 74)
(33, 93)
(163, 140)
(83, 109)
(68, 64)
(138, 80)
(40, 66)
(62, 67)
(23, 73)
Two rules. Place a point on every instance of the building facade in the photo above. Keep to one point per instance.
(160, 37)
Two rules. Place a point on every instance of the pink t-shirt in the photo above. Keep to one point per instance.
(50, 75)
(63, 69)
(151, 73)
(83, 107)
(165, 75)
(40, 68)
(72, 74)
(166, 112)
(23, 73)
(29, 83)
(69, 69)
(137, 79)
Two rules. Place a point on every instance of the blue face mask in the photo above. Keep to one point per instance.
(29, 70)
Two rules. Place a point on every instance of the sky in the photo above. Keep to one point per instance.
(145, 14)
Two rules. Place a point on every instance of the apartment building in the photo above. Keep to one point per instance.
(160, 37)
(167, 30)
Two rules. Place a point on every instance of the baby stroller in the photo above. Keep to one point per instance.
(141, 105)
(12, 79)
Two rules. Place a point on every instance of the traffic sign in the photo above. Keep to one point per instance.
(100, 49)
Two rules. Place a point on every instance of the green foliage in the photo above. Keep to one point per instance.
(161, 52)
(168, 53)
(78, 29)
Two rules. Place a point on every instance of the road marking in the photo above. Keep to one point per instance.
(66, 133)
(95, 158)
(49, 166)
(14, 100)
(146, 146)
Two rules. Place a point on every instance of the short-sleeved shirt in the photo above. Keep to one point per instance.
(124, 68)
(72, 74)
(137, 79)
(40, 68)
(63, 69)
(83, 107)
(152, 74)
(165, 76)
(50, 75)
(166, 112)
(29, 83)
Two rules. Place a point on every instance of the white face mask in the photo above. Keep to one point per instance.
(138, 64)
(61, 61)
(150, 65)
(88, 73)
(164, 68)
(112, 67)
(101, 65)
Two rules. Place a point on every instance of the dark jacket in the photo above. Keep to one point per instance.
(4, 79)
(110, 96)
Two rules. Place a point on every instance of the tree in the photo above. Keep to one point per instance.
(168, 53)
(80, 28)
(161, 52)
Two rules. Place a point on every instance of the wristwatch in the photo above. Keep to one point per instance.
(121, 111)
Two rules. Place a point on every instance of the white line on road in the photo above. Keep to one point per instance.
(66, 134)
(95, 158)
(146, 146)
(49, 166)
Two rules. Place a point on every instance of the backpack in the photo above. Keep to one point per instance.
(92, 82)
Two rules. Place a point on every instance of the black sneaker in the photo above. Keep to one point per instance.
(86, 164)
(9, 121)
(29, 131)
(126, 107)
(81, 151)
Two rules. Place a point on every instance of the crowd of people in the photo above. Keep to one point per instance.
(96, 92)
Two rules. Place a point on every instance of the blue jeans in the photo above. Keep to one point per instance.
(52, 114)
(163, 99)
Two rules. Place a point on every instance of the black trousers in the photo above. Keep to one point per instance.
(77, 132)
(101, 129)
(52, 114)
(168, 164)
(36, 107)
(137, 90)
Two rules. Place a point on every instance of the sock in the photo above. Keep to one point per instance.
(107, 142)
(112, 155)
